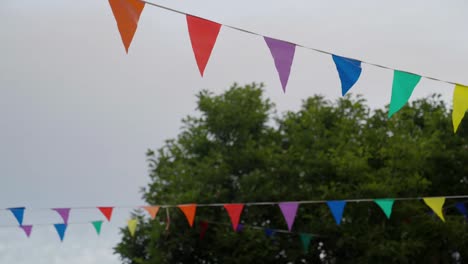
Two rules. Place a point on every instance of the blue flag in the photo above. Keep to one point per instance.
(269, 232)
(349, 71)
(18, 212)
(61, 228)
(461, 208)
(337, 208)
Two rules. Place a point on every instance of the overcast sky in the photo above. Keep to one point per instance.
(77, 114)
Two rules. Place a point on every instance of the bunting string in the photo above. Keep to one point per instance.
(354, 200)
(296, 44)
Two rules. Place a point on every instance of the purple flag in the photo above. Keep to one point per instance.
(64, 213)
(283, 55)
(289, 210)
(27, 229)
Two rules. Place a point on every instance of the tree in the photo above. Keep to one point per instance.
(237, 151)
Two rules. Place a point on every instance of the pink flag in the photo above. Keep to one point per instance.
(289, 210)
(27, 229)
(283, 55)
(64, 213)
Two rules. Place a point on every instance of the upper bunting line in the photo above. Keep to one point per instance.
(267, 203)
(300, 45)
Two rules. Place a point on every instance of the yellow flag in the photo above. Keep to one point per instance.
(132, 224)
(460, 105)
(436, 203)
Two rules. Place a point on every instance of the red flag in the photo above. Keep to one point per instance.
(189, 212)
(203, 34)
(234, 211)
(127, 13)
(203, 228)
(107, 212)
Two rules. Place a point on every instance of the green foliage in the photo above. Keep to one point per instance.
(235, 151)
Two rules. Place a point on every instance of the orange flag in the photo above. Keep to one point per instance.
(189, 212)
(203, 34)
(234, 211)
(127, 13)
(152, 210)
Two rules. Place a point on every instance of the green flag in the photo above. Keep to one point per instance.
(402, 88)
(305, 239)
(386, 206)
(97, 225)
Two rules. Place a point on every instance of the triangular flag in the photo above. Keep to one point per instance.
(132, 225)
(107, 212)
(386, 206)
(97, 226)
(402, 88)
(461, 208)
(460, 105)
(269, 232)
(234, 211)
(27, 229)
(189, 212)
(203, 34)
(349, 71)
(61, 228)
(152, 210)
(305, 239)
(283, 55)
(436, 203)
(337, 208)
(18, 212)
(203, 229)
(240, 227)
(64, 213)
(127, 13)
(289, 210)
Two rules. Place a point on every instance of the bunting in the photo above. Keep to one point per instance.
(386, 206)
(305, 239)
(127, 13)
(64, 213)
(203, 229)
(460, 105)
(234, 211)
(97, 226)
(403, 86)
(436, 204)
(349, 71)
(189, 212)
(152, 210)
(107, 212)
(61, 229)
(337, 208)
(18, 213)
(283, 55)
(203, 34)
(461, 208)
(289, 210)
(132, 225)
(27, 229)
(269, 232)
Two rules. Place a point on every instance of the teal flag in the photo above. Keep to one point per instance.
(305, 239)
(97, 225)
(386, 206)
(402, 88)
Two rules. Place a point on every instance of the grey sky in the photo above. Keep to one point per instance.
(77, 114)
